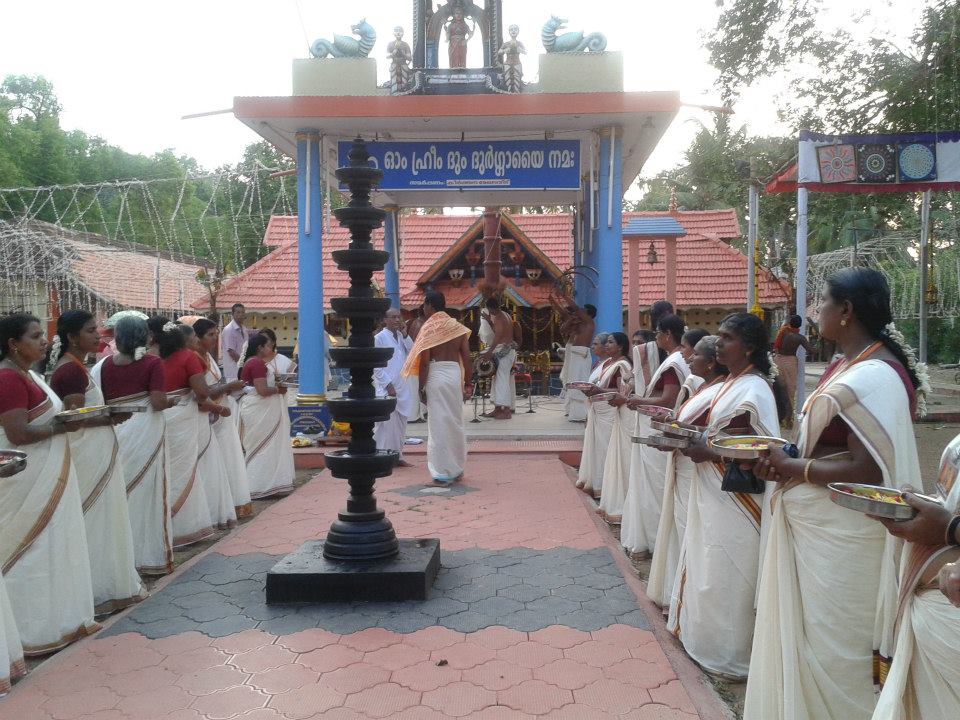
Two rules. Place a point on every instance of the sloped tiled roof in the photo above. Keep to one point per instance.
(710, 273)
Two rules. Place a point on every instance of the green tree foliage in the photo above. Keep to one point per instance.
(219, 219)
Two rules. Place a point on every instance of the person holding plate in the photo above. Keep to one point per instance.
(828, 582)
(682, 471)
(591, 463)
(648, 466)
(712, 601)
(132, 376)
(924, 678)
(95, 454)
(612, 427)
(43, 542)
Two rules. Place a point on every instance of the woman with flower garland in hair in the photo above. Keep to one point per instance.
(712, 600)
(263, 409)
(43, 543)
(225, 426)
(95, 453)
(134, 377)
(186, 387)
(828, 592)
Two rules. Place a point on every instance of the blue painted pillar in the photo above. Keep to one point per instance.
(609, 241)
(312, 335)
(391, 244)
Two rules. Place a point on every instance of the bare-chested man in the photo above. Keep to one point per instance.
(496, 332)
(788, 342)
(439, 357)
(577, 329)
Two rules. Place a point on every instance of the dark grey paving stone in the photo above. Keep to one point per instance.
(441, 607)
(212, 612)
(497, 606)
(519, 588)
(223, 627)
(527, 621)
(526, 593)
(407, 622)
(554, 605)
(579, 593)
(635, 618)
(468, 621)
(286, 625)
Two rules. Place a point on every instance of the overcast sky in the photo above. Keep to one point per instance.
(128, 70)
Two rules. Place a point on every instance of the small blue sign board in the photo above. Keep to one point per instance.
(489, 165)
(309, 419)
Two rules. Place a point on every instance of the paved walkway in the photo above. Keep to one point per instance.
(534, 614)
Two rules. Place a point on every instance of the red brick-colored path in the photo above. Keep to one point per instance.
(496, 673)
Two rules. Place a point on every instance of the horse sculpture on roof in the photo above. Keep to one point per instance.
(343, 46)
(571, 42)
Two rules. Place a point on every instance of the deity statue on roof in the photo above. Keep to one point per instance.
(458, 33)
(510, 52)
(400, 56)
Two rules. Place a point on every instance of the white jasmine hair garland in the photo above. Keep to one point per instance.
(919, 369)
(139, 353)
(774, 369)
(170, 327)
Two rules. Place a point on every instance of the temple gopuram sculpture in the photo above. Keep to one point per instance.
(400, 56)
(571, 42)
(458, 34)
(510, 53)
(346, 47)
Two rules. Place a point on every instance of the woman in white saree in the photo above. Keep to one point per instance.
(924, 678)
(828, 577)
(225, 427)
(682, 472)
(590, 472)
(265, 425)
(12, 665)
(95, 453)
(210, 465)
(192, 517)
(616, 466)
(133, 377)
(648, 466)
(43, 543)
(712, 598)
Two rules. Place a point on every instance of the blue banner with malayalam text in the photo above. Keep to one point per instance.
(489, 165)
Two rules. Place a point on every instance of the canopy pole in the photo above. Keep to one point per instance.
(924, 272)
(801, 283)
(752, 247)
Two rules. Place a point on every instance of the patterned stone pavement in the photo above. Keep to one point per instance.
(530, 617)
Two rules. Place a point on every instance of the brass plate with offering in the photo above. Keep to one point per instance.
(873, 500)
(675, 429)
(744, 447)
(579, 385)
(663, 442)
(12, 462)
(81, 414)
(653, 410)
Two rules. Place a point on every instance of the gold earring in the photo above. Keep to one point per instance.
(843, 323)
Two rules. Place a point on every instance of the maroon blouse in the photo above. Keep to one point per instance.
(145, 375)
(180, 367)
(252, 369)
(69, 379)
(18, 392)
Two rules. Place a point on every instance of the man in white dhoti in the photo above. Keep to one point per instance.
(577, 328)
(390, 434)
(496, 332)
(439, 358)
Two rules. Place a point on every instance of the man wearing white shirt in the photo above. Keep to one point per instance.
(389, 435)
(232, 340)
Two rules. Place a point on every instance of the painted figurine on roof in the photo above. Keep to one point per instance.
(458, 34)
(400, 56)
(510, 53)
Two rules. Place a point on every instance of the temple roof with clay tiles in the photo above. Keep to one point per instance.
(710, 273)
